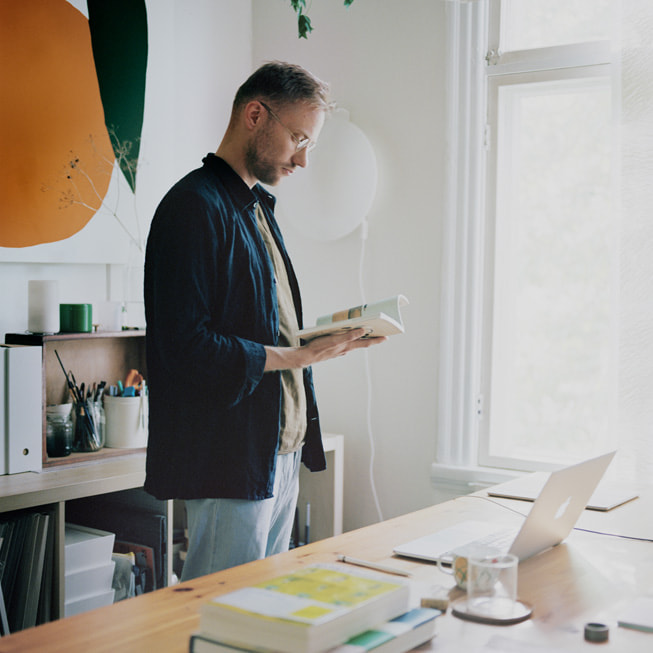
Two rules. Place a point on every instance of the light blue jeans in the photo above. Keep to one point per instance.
(223, 533)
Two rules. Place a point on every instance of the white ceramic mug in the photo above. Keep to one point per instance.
(456, 562)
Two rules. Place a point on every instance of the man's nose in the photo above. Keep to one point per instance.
(301, 158)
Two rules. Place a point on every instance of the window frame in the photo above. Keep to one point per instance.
(476, 69)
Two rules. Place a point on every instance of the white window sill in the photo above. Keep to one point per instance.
(474, 478)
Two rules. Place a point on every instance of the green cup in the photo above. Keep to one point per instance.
(75, 318)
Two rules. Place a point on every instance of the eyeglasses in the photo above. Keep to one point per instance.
(304, 143)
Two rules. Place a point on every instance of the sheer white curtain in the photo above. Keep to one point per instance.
(635, 334)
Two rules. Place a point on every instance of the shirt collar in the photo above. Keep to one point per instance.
(243, 196)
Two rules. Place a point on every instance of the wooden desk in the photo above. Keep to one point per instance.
(583, 579)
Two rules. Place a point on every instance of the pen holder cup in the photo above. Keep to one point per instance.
(127, 422)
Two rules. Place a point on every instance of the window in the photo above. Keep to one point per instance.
(529, 312)
(546, 23)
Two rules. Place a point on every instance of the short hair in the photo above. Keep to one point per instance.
(283, 83)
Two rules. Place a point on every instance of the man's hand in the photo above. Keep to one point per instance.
(317, 350)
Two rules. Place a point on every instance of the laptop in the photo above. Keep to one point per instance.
(554, 513)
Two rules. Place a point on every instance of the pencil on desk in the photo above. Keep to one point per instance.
(373, 565)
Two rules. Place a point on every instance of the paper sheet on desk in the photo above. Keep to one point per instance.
(607, 495)
(501, 644)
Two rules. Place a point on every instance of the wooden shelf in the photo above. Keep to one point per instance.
(52, 488)
(31, 489)
(39, 338)
(92, 357)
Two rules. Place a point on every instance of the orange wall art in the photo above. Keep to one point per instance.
(71, 112)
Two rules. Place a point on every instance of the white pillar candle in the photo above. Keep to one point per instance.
(43, 306)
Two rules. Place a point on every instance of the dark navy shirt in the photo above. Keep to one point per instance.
(211, 306)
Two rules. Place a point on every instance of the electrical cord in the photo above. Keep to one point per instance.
(576, 528)
(368, 377)
(623, 537)
(496, 503)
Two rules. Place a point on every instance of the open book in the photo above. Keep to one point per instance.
(381, 318)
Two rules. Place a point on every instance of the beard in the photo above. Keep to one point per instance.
(258, 164)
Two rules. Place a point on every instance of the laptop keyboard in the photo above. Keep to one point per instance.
(501, 540)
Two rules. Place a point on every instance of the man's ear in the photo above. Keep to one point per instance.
(252, 114)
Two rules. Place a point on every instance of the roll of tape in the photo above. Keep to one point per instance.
(595, 632)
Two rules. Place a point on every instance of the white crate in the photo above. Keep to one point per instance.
(89, 582)
(87, 548)
(88, 603)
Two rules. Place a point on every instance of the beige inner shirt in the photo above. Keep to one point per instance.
(293, 395)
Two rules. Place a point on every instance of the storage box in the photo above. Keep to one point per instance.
(88, 603)
(21, 412)
(89, 582)
(87, 548)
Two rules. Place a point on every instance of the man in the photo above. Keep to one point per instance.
(232, 404)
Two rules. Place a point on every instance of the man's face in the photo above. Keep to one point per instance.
(272, 150)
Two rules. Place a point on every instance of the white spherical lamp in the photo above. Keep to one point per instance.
(332, 196)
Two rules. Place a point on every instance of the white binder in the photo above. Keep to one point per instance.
(21, 409)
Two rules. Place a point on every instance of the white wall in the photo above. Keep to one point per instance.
(384, 61)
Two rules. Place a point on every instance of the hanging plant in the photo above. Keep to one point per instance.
(304, 26)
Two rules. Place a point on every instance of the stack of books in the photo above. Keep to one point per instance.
(319, 608)
(26, 560)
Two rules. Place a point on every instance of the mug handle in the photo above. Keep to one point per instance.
(446, 559)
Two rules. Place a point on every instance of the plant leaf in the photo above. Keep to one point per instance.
(304, 26)
(349, 3)
(119, 40)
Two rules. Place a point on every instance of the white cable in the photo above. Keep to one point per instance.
(368, 376)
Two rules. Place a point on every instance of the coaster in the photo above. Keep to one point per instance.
(521, 612)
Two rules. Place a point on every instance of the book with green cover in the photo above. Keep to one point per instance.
(309, 610)
(400, 634)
